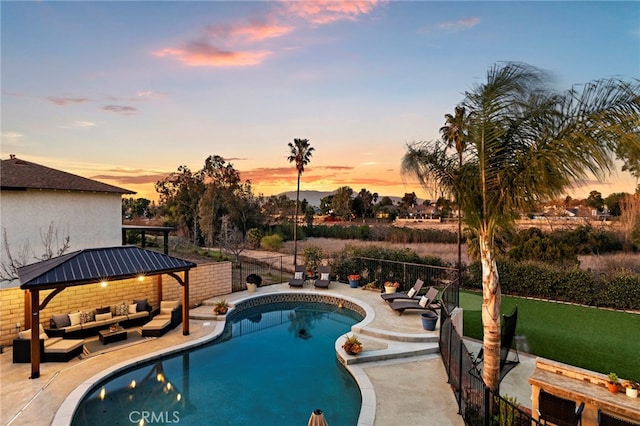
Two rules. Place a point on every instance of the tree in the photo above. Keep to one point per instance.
(301, 152)
(180, 194)
(454, 133)
(525, 143)
(341, 203)
(630, 221)
(595, 200)
(613, 202)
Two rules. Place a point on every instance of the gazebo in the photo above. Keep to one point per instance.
(90, 266)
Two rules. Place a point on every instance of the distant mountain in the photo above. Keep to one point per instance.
(314, 197)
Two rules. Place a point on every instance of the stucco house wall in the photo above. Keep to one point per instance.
(89, 220)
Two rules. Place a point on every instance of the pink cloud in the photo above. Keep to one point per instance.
(202, 54)
(328, 11)
(252, 32)
(66, 101)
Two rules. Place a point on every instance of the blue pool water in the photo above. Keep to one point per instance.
(273, 365)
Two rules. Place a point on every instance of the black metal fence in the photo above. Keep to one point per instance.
(381, 270)
(270, 269)
(477, 404)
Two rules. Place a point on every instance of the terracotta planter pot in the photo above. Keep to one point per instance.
(613, 387)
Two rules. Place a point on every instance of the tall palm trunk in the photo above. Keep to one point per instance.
(295, 224)
(491, 300)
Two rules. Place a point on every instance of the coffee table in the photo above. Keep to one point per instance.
(108, 336)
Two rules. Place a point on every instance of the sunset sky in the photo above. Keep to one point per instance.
(125, 92)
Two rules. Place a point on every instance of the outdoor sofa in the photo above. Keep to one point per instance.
(89, 322)
(169, 317)
(52, 349)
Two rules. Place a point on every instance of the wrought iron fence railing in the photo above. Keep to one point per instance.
(405, 273)
(270, 269)
(477, 404)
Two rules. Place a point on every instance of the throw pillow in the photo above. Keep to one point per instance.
(411, 292)
(24, 335)
(143, 304)
(298, 276)
(324, 277)
(87, 316)
(122, 309)
(74, 318)
(103, 310)
(102, 317)
(61, 320)
(423, 301)
(133, 308)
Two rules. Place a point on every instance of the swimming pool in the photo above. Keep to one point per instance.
(273, 365)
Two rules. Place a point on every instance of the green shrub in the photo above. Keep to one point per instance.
(272, 242)
(313, 256)
(253, 238)
(533, 244)
(531, 279)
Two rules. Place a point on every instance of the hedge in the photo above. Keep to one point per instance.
(620, 291)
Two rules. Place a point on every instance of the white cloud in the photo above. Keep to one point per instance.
(78, 125)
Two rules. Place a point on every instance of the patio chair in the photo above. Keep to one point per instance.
(324, 279)
(426, 303)
(298, 277)
(606, 419)
(507, 334)
(409, 295)
(559, 411)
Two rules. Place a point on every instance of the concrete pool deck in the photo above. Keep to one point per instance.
(407, 384)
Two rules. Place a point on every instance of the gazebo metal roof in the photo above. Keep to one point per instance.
(98, 264)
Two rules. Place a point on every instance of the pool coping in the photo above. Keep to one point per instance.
(65, 412)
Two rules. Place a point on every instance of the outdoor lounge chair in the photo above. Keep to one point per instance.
(558, 411)
(409, 295)
(298, 277)
(606, 419)
(507, 334)
(426, 302)
(169, 317)
(324, 279)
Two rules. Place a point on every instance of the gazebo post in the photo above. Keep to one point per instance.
(35, 334)
(185, 304)
(27, 309)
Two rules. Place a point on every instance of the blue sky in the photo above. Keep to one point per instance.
(125, 92)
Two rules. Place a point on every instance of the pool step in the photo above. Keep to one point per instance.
(384, 350)
(425, 337)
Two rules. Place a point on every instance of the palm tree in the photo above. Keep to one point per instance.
(301, 152)
(525, 144)
(454, 133)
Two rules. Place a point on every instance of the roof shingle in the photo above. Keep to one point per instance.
(17, 174)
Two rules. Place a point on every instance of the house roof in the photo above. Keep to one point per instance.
(17, 174)
(90, 266)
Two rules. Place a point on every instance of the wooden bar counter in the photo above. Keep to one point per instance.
(581, 385)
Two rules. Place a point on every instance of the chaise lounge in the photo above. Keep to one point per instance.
(298, 277)
(412, 294)
(324, 277)
(169, 317)
(426, 303)
(52, 349)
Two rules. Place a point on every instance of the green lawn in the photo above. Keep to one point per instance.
(595, 339)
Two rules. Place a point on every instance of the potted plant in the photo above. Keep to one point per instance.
(631, 388)
(391, 287)
(352, 345)
(354, 280)
(372, 286)
(253, 281)
(313, 256)
(613, 383)
(221, 307)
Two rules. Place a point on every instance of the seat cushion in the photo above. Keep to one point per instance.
(157, 323)
(63, 346)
